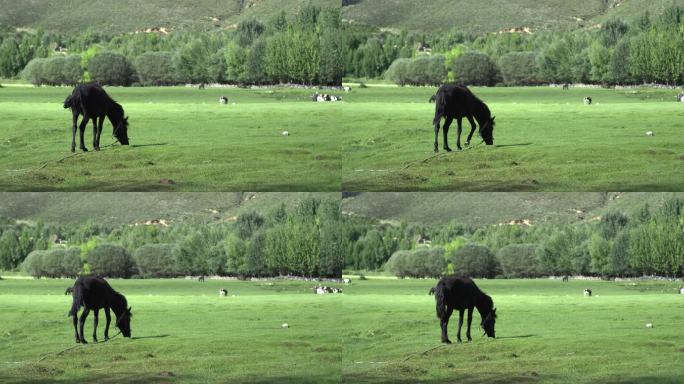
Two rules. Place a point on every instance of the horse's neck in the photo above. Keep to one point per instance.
(118, 303)
(483, 304)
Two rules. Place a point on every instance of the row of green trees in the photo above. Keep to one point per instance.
(643, 243)
(303, 241)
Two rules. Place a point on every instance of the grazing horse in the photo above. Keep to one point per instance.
(566, 86)
(455, 101)
(566, 278)
(93, 292)
(459, 292)
(91, 101)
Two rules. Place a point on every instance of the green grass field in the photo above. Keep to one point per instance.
(545, 140)
(183, 331)
(181, 134)
(547, 332)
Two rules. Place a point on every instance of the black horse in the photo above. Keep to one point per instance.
(455, 101)
(458, 292)
(91, 101)
(93, 292)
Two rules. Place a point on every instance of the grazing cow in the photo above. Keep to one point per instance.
(69, 291)
(649, 133)
(223, 100)
(322, 290)
(587, 292)
(201, 279)
(347, 281)
(461, 293)
(223, 292)
(681, 290)
(566, 86)
(680, 97)
(91, 101)
(455, 101)
(93, 292)
(587, 100)
(565, 278)
(347, 88)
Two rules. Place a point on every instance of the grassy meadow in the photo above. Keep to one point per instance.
(547, 332)
(183, 331)
(546, 139)
(179, 134)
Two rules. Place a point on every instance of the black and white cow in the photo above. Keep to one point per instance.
(587, 100)
(223, 292)
(223, 100)
(587, 292)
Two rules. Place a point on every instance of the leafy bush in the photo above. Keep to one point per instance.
(110, 260)
(155, 68)
(422, 262)
(520, 68)
(423, 70)
(474, 68)
(58, 262)
(475, 261)
(518, 260)
(110, 68)
(156, 260)
(60, 70)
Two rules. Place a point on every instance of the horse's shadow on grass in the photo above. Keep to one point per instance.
(149, 337)
(149, 145)
(516, 337)
(512, 145)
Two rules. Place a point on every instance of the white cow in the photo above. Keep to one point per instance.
(347, 281)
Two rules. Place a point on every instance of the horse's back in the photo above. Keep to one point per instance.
(92, 291)
(460, 291)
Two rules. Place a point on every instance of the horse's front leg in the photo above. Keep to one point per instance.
(82, 321)
(470, 321)
(99, 131)
(96, 313)
(458, 133)
(75, 319)
(109, 319)
(472, 129)
(82, 128)
(447, 124)
(460, 324)
(444, 322)
(95, 145)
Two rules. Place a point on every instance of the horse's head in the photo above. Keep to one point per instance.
(121, 131)
(487, 131)
(488, 323)
(123, 322)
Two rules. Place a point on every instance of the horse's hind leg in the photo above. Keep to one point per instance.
(436, 126)
(472, 129)
(82, 128)
(74, 317)
(73, 132)
(443, 323)
(460, 324)
(99, 131)
(96, 313)
(95, 146)
(458, 133)
(81, 323)
(470, 321)
(445, 132)
(109, 319)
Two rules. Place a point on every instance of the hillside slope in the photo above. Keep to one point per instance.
(116, 208)
(493, 16)
(124, 16)
(492, 208)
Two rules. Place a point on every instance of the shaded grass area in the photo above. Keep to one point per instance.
(182, 332)
(545, 140)
(181, 140)
(546, 332)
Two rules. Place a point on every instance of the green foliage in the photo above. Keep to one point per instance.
(520, 68)
(419, 263)
(54, 263)
(110, 260)
(474, 68)
(422, 70)
(111, 68)
(475, 261)
(58, 70)
(155, 68)
(519, 260)
(156, 260)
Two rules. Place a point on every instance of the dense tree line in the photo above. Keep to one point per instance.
(644, 243)
(307, 49)
(301, 241)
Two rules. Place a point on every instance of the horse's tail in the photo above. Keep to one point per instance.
(440, 300)
(440, 106)
(77, 299)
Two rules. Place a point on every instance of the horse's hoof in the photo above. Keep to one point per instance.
(467, 143)
(460, 149)
(84, 149)
(447, 149)
(73, 150)
(84, 341)
(436, 150)
(446, 341)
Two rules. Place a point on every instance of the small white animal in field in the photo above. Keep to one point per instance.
(649, 133)
(223, 292)
(347, 281)
(285, 325)
(286, 133)
(681, 290)
(649, 325)
(587, 292)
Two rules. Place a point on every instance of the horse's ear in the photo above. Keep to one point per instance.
(129, 309)
(493, 117)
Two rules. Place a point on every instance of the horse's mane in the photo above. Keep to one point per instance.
(119, 303)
